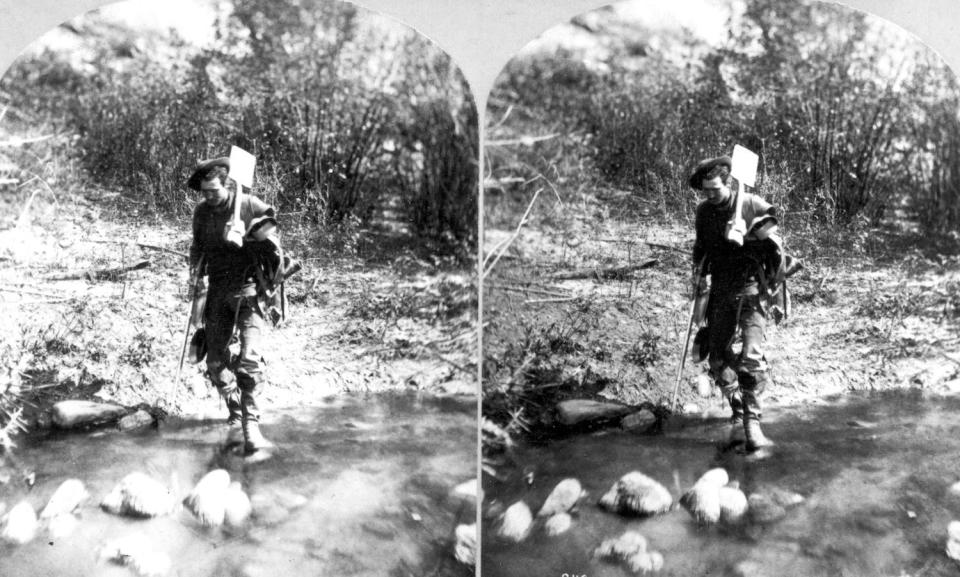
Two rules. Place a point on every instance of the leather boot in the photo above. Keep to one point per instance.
(750, 388)
(736, 435)
(231, 397)
(254, 439)
(756, 440)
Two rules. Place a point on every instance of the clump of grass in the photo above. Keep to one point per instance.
(645, 352)
(140, 352)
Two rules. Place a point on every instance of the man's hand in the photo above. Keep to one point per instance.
(698, 282)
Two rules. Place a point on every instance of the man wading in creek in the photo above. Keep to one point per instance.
(231, 243)
(741, 279)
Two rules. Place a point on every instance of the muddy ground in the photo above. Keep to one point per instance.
(874, 309)
(368, 312)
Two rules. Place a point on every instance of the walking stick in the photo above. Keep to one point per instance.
(686, 342)
(186, 330)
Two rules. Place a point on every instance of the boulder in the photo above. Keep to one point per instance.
(237, 507)
(631, 547)
(563, 498)
(575, 411)
(138, 420)
(468, 491)
(637, 494)
(62, 526)
(516, 522)
(68, 497)
(733, 504)
(137, 495)
(75, 414)
(703, 500)
(208, 499)
(20, 524)
(465, 546)
(953, 540)
(638, 421)
(557, 524)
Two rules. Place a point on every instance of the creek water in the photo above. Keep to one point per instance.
(875, 472)
(358, 486)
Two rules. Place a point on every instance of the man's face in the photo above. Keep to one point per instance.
(213, 191)
(714, 190)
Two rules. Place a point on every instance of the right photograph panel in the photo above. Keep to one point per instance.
(721, 297)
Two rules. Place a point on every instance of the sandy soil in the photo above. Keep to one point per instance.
(396, 322)
(866, 316)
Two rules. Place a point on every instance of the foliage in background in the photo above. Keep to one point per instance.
(851, 118)
(350, 118)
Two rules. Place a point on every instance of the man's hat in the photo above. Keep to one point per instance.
(705, 166)
(203, 168)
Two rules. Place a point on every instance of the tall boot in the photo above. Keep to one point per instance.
(732, 393)
(254, 439)
(751, 387)
(231, 397)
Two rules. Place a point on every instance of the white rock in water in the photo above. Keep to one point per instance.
(207, 500)
(955, 489)
(703, 500)
(138, 495)
(468, 491)
(72, 414)
(67, 498)
(733, 504)
(20, 524)
(563, 498)
(238, 507)
(135, 551)
(623, 547)
(465, 547)
(646, 562)
(637, 494)
(62, 525)
(559, 523)
(516, 522)
(137, 420)
(703, 503)
(717, 477)
(953, 540)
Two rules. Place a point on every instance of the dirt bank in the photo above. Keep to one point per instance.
(879, 310)
(366, 314)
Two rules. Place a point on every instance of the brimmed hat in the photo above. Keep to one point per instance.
(705, 166)
(203, 168)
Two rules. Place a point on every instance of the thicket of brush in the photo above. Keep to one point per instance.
(851, 117)
(350, 116)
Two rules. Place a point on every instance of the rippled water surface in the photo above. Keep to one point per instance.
(875, 473)
(358, 486)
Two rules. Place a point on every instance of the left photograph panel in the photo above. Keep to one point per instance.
(238, 278)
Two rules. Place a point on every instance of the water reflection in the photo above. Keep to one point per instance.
(875, 473)
(359, 486)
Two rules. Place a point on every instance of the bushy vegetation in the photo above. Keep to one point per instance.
(351, 118)
(852, 119)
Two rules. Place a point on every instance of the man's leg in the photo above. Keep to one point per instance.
(250, 372)
(723, 325)
(752, 372)
(218, 318)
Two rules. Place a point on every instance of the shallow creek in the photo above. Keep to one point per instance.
(875, 472)
(358, 486)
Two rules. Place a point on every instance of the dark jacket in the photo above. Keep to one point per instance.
(229, 267)
(734, 269)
